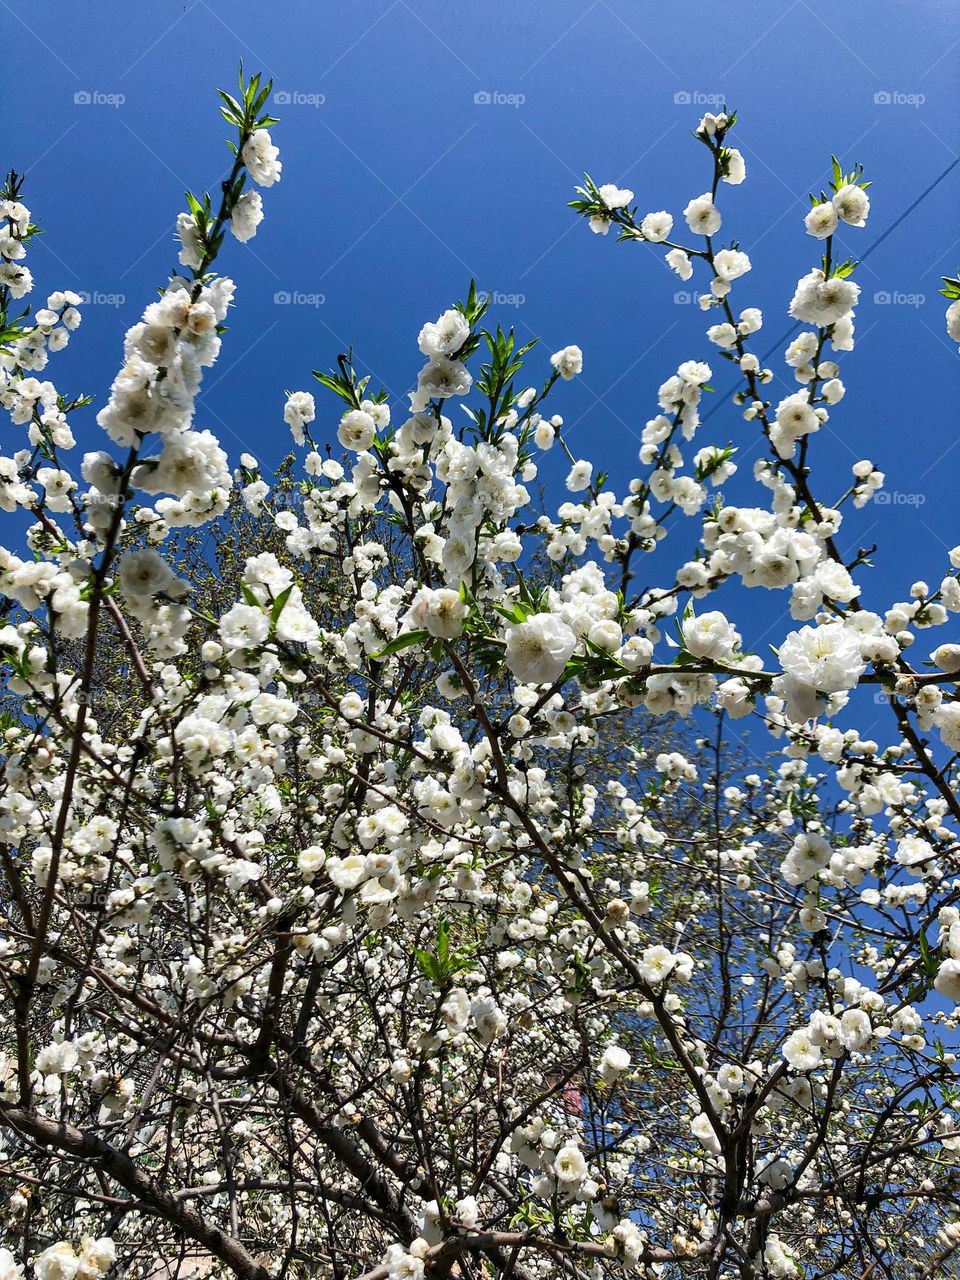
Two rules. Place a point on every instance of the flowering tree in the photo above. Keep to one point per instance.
(336, 941)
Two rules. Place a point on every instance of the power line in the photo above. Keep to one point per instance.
(876, 244)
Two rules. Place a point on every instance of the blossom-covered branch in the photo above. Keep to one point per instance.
(385, 892)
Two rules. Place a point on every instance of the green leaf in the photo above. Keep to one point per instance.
(518, 613)
(334, 384)
(428, 966)
(261, 98)
(232, 108)
(404, 641)
(928, 957)
(443, 942)
(278, 604)
(442, 964)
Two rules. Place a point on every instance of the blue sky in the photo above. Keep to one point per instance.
(401, 180)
